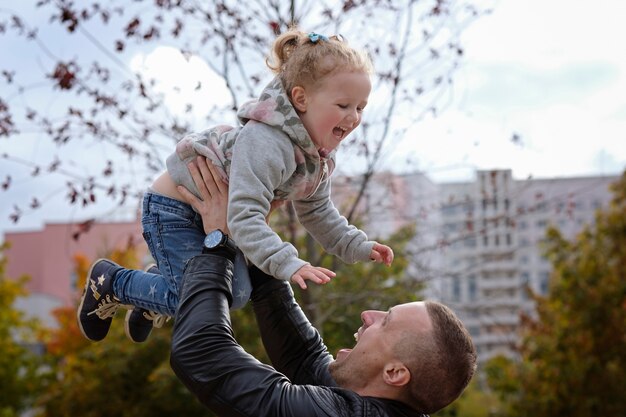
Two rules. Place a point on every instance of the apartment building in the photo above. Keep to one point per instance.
(491, 234)
(478, 243)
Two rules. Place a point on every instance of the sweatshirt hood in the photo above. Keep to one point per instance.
(273, 108)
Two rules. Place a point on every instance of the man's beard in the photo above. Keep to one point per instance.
(346, 375)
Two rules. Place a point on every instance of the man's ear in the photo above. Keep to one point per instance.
(396, 374)
(299, 98)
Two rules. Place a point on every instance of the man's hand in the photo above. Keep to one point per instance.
(382, 254)
(315, 274)
(214, 193)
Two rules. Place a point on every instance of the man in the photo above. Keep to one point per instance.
(414, 358)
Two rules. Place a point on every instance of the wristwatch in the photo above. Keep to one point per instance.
(218, 239)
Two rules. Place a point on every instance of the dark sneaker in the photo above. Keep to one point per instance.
(139, 321)
(98, 304)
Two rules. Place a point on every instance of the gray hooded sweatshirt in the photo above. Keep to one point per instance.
(272, 157)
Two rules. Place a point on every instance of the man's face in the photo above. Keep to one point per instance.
(357, 367)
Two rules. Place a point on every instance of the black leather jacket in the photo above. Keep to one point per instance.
(210, 362)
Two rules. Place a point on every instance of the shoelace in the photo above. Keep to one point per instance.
(106, 308)
(158, 320)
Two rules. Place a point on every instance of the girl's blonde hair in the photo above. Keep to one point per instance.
(304, 59)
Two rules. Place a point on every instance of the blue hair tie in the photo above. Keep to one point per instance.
(316, 37)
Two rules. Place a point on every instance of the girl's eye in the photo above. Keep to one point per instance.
(343, 106)
(360, 109)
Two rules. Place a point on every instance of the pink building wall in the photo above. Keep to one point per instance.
(47, 255)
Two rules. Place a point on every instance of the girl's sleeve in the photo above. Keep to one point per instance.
(261, 162)
(330, 229)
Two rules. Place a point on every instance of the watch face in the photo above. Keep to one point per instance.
(213, 239)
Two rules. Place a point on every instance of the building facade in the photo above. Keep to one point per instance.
(48, 257)
(492, 231)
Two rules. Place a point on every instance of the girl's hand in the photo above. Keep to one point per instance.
(214, 192)
(382, 254)
(311, 273)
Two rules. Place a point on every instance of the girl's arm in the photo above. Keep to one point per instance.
(323, 221)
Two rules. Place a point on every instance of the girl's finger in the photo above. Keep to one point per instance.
(375, 256)
(326, 272)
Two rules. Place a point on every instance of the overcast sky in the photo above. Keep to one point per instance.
(552, 72)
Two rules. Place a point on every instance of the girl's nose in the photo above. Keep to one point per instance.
(353, 117)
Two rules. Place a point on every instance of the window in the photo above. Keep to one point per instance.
(525, 281)
(448, 210)
(474, 331)
(469, 242)
(456, 289)
(471, 287)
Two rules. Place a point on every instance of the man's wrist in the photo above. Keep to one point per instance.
(217, 240)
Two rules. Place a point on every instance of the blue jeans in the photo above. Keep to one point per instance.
(174, 234)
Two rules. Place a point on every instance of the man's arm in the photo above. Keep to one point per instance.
(208, 360)
(205, 355)
(294, 346)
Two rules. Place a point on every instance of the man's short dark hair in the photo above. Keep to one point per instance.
(442, 362)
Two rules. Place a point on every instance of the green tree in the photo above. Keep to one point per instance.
(476, 401)
(335, 308)
(20, 365)
(573, 351)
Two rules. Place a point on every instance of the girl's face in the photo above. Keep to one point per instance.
(333, 108)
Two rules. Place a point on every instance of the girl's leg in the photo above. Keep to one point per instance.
(174, 234)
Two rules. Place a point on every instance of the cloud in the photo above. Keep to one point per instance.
(501, 88)
(182, 80)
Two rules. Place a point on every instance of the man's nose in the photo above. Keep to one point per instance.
(370, 317)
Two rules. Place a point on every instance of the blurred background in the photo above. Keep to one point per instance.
(490, 157)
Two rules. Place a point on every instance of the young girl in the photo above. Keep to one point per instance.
(283, 150)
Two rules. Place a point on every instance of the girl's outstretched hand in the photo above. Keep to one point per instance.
(315, 274)
(382, 254)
